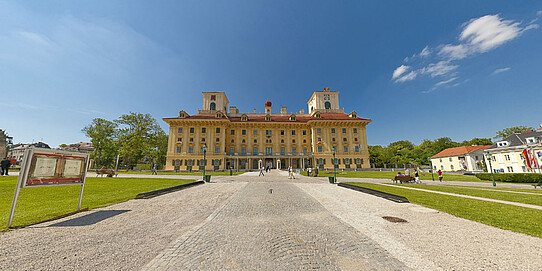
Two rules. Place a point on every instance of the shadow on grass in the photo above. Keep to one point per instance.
(89, 219)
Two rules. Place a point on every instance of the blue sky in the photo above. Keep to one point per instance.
(418, 69)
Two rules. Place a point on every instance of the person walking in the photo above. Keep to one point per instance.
(440, 175)
(5, 164)
(154, 170)
(417, 176)
(261, 172)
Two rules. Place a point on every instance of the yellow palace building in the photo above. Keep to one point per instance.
(248, 141)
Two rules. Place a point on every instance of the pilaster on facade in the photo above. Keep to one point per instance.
(241, 140)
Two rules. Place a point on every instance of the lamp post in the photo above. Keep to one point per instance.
(429, 158)
(488, 157)
(334, 162)
(204, 159)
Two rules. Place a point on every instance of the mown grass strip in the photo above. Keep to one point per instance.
(37, 204)
(391, 175)
(508, 217)
(227, 173)
(499, 195)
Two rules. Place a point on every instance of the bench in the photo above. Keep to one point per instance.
(539, 184)
(406, 179)
(106, 172)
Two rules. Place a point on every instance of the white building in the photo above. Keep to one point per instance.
(464, 158)
(506, 155)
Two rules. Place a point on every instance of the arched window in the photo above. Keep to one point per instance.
(312, 109)
(268, 118)
(213, 106)
(327, 105)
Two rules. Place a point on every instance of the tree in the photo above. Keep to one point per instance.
(139, 134)
(62, 145)
(504, 133)
(102, 134)
(477, 142)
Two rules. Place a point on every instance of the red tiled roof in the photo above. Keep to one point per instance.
(302, 119)
(459, 151)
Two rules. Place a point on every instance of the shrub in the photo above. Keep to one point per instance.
(511, 177)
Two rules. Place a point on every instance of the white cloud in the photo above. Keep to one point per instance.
(439, 69)
(441, 83)
(410, 76)
(539, 13)
(501, 70)
(477, 36)
(454, 52)
(35, 37)
(483, 34)
(425, 52)
(400, 70)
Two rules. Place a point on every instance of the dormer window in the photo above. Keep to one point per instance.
(530, 140)
(244, 117)
(502, 144)
(182, 114)
(219, 115)
(292, 117)
(267, 118)
(354, 115)
(317, 115)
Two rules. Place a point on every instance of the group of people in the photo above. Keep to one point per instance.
(417, 175)
(262, 169)
(310, 172)
(407, 173)
(4, 164)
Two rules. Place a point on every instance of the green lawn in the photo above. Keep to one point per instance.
(499, 195)
(529, 190)
(392, 174)
(36, 204)
(509, 217)
(227, 173)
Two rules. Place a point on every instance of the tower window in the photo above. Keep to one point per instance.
(213, 106)
(327, 105)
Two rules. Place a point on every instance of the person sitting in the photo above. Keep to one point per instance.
(399, 174)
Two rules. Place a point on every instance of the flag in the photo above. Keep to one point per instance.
(526, 160)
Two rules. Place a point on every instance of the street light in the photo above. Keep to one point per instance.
(334, 162)
(488, 157)
(429, 158)
(204, 159)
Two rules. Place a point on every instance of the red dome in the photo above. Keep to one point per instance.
(268, 103)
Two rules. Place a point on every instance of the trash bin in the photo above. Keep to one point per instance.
(207, 178)
(332, 180)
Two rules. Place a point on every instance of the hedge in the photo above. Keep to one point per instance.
(511, 177)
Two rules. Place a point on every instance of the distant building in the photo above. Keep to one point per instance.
(247, 141)
(5, 141)
(18, 150)
(466, 158)
(520, 153)
(85, 147)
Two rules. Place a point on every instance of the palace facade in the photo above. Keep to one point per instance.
(248, 141)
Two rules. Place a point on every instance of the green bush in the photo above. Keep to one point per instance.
(511, 177)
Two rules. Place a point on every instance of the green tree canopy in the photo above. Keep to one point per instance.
(102, 134)
(504, 133)
(139, 134)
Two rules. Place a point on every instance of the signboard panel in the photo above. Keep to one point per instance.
(46, 167)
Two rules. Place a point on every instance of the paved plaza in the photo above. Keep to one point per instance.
(270, 222)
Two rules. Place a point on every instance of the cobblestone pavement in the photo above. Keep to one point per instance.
(274, 226)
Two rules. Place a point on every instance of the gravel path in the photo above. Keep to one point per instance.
(133, 234)
(431, 240)
(305, 223)
(274, 226)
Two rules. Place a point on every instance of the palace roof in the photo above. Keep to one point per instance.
(274, 118)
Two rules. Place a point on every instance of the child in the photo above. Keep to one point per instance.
(440, 175)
